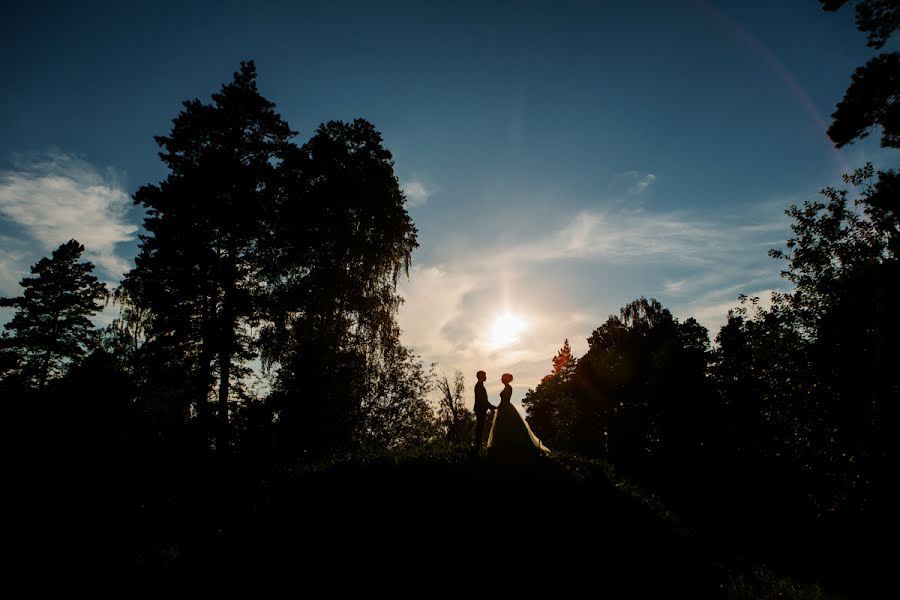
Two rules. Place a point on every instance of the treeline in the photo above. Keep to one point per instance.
(782, 436)
(259, 255)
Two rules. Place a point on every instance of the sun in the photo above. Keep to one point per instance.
(506, 329)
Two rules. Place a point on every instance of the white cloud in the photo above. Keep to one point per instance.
(56, 197)
(558, 280)
(417, 192)
(639, 181)
(626, 236)
(13, 265)
(433, 297)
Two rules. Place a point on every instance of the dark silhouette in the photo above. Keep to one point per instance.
(510, 437)
(870, 99)
(52, 324)
(878, 19)
(341, 239)
(302, 245)
(455, 418)
(481, 408)
(870, 103)
(195, 275)
(549, 408)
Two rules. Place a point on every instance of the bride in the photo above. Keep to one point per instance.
(510, 435)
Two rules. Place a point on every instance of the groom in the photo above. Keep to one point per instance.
(481, 407)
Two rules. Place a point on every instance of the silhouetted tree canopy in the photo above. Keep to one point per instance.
(197, 270)
(549, 407)
(870, 101)
(258, 247)
(878, 19)
(872, 98)
(844, 268)
(457, 420)
(340, 241)
(51, 326)
(639, 391)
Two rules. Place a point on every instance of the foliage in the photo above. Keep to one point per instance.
(871, 99)
(397, 412)
(51, 325)
(457, 421)
(340, 240)
(878, 19)
(831, 240)
(843, 265)
(196, 273)
(549, 407)
(257, 247)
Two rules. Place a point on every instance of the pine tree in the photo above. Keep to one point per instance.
(52, 327)
(563, 363)
(197, 271)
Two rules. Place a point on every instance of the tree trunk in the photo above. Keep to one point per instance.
(48, 356)
(225, 352)
(45, 369)
(205, 378)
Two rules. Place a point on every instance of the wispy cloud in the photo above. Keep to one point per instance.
(639, 181)
(417, 192)
(626, 236)
(559, 279)
(55, 197)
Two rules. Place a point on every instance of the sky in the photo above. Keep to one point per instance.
(559, 159)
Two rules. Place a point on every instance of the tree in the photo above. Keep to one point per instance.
(871, 99)
(340, 241)
(844, 268)
(52, 327)
(196, 273)
(643, 387)
(563, 362)
(878, 19)
(548, 407)
(457, 420)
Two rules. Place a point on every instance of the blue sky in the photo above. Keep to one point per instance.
(560, 159)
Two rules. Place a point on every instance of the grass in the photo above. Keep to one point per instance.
(435, 521)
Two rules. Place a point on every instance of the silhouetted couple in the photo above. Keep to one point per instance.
(510, 435)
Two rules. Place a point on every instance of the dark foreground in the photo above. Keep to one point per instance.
(414, 527)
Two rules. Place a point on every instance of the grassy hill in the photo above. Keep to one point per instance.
(440, 523)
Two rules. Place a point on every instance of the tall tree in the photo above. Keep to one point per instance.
(51, 326)
(873, 100)
(563, 362)
(548, 407)
(343, 237)
(844, 268)
(870, 101)
(196, 272)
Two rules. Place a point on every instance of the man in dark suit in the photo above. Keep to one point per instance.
(481, 407)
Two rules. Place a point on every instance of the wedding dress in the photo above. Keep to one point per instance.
(510, 434)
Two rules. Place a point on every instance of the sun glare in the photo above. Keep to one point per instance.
(506, 329)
